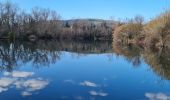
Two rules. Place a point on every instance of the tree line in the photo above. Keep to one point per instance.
(154, 34)
(16, 23)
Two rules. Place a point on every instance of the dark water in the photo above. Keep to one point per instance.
(82, 70)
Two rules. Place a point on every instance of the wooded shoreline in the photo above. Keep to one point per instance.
(44, 23)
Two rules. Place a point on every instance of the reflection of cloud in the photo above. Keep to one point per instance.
(69, 81)
(25, 93)
(18, 79)
(35, 84)
(3, 89)
(22, 74)
(79, 98)
(89, 84)
(65, 97)
(95, 93)
(157, 96)
(5, 82)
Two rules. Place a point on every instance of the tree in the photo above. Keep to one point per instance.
(8, 15)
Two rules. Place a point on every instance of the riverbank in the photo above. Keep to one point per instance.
(43, 23)
(153, 34)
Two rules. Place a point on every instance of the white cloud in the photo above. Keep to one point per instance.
(25, 93)
(19, 74)
(157, 96)
(102, 94)
(35, 84)
(3, 89)
(95, 93)
(79, 98)
(5, 82)
(20, 81)
(89, 84)
(6, 73)
(69, 81)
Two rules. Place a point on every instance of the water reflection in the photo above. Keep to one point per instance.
(81, 70)
(23, 81)
(157, 96)
(158, 59)
(43, 53)
(89, 84)
(132, 53)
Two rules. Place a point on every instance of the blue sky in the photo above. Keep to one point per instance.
(104, 9)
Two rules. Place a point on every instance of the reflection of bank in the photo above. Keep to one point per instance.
(22, 81)
(159, 59)
(132, 53)
(43, 53)
(16, 54)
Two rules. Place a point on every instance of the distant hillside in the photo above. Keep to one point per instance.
(98, 22)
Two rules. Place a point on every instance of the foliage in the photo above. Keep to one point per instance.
(128, 31)
(157, 31)
(46, 23)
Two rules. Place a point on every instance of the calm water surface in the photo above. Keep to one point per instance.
(55, 70)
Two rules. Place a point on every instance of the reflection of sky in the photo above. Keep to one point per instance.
(157, 96)
(90, 77)
(22, 81)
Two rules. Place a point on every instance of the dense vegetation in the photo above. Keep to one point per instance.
(130, 31)
(149, 41)
(15, 23)
(155, 33)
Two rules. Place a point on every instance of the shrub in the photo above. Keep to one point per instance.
(158, 28)
(130, 31)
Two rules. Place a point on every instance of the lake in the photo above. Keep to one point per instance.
(82, 70)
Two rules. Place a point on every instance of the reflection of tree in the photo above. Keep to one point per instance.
(43, 53)
(158, 59)
(15, 54)
(85, 47)
(131, 52)
(7, 56)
